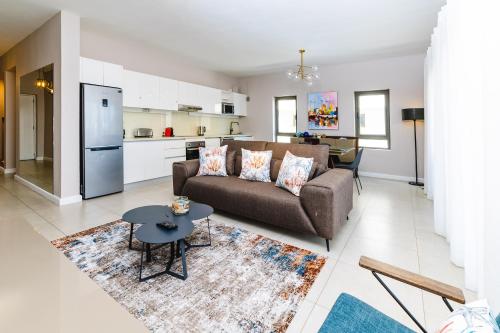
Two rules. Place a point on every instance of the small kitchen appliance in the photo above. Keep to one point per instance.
(201, 130)
(143, 133)
(169, 131)
(234, 128)
(227, 108)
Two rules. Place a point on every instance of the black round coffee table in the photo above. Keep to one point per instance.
(158, 213)
(152, 233)
(150, 216)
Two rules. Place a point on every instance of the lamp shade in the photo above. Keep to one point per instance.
(413, 114)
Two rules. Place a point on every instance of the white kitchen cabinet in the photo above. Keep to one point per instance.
(141, 90)
(168, 164)
(133, 163)
(226, 96)
(91, 71)
(240, 104)
(168, 94)
(144, 160)
(212, 142)
(188, 94)
(101, 73)
(112, 75)
(208, 99)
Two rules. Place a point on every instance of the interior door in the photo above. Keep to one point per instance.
(27, 127)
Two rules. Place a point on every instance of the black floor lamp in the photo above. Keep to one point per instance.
(414, 114)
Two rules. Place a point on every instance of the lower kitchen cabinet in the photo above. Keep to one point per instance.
(145, 160)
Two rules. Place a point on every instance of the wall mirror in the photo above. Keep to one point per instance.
(35, 128)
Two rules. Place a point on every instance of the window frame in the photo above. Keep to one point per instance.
(276, 121)
(387, 136)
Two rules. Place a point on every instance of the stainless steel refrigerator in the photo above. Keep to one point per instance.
(101, 110)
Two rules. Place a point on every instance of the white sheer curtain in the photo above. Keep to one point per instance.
(462, 88)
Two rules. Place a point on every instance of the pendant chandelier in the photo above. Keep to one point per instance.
(308, 74)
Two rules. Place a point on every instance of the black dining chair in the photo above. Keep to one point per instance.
(353, 166)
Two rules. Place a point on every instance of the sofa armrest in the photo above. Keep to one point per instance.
(327, 200)
(181, 172)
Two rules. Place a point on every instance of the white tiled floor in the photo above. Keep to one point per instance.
(391, 221)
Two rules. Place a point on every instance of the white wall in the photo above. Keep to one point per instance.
(402, 75)
(138, 56)
(56, 42)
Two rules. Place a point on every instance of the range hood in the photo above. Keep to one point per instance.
(189, 108)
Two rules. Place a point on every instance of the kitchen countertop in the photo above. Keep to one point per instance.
(183, 137)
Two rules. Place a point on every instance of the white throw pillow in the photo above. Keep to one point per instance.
(213, 161)
(473, 317)
(256, 165)
(294, 172)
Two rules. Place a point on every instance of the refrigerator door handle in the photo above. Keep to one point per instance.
(105, 148)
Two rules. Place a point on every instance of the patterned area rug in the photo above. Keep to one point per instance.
(243, 283)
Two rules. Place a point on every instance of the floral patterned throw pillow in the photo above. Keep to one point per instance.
(256, 165)
(213, 161)
(294, 172)
(474, 317)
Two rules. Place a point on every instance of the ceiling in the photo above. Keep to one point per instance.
(242, 37)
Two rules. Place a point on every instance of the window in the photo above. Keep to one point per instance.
(373, 118)
(285, 109)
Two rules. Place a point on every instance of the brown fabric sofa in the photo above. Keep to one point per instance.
(324, 201)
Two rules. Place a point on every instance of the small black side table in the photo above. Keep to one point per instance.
(144, 215)
(155, 234)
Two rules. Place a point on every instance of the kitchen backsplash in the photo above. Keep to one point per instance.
(183, 123)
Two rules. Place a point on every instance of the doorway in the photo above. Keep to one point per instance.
(27, 127)
(35, 128)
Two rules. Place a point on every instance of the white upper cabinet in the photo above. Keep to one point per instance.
(101, 73)
(91, 71)
(240, 104)
(209, 97)
(141, 90)
(188, 94)
(112, 75)
(168, 94)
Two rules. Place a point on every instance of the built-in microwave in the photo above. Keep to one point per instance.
(227, 108)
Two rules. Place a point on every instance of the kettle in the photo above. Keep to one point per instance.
(201, 130)
(169, 131)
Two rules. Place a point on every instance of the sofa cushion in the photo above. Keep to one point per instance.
(236, 145)
(294, 172)
(276, 166)
(256, 165)
(318, 152)
(255, 200)
(230, 155)
(351, 315)
(213, 161)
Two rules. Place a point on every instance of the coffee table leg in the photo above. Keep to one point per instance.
(130, 237)
(183, 255)
(148, 252)
(140, 269)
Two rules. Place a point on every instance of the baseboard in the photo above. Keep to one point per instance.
(388, 176)
(7, 171)
(43, 158)
(51, 197)
(70, 200)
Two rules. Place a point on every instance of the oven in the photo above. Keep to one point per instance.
(193, 149)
